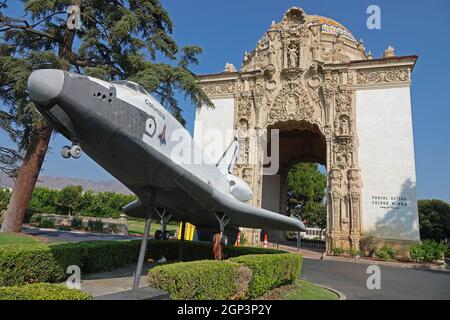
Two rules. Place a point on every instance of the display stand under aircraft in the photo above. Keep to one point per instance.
(127, 132)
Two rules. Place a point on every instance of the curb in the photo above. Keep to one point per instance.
(413, 266)
(340, 294)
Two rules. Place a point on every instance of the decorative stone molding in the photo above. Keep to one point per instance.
(218, 88)
(335, 55)
(370, 77)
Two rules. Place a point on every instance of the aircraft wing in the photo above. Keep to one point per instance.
(195, 201)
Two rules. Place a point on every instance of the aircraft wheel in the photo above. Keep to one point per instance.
(65, 152)
(75, 151)
(158, 235)
(166, 235)
(224, 240)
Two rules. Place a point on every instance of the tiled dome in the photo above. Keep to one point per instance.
(332, 27)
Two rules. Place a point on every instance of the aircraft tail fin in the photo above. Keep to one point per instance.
(228, 159)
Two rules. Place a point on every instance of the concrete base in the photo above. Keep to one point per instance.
(136, 294)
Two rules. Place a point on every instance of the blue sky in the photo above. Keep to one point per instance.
(225, 29)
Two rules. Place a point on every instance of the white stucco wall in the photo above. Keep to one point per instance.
(271, 193)
(386, 159)
(213, 128)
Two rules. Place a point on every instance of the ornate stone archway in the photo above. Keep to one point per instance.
(308, 68)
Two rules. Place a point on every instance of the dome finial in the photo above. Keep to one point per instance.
(294, 15)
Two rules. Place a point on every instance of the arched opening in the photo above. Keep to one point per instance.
(300, 142)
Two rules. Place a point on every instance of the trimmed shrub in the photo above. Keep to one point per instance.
(368, 246)
(428, 251)
(42, 291)
(197, 280)
(232, 251)
(270, 271)
(19, 265)
(76, 223)
(95, 225)
(46, 224)
(48, 263)
(36, 218)
(96, 256)
(385, 253)
(64, 228)
(337, 251)
(196, 250)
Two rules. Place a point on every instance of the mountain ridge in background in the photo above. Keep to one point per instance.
(60, 182)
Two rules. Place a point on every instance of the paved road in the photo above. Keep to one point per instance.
(396, 283)
(70, 236)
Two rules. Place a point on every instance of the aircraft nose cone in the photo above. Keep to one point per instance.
(45, 85)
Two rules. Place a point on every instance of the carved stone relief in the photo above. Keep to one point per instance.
(218, 88)
(380, 76)
(335, 55)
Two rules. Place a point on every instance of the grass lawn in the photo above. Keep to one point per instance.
(300, 290)
(137, 227)
(8, 239)
(304, 290)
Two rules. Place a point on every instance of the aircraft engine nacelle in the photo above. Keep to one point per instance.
(239, 188)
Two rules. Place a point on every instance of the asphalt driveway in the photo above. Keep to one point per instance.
(396, 283)
(72, 236)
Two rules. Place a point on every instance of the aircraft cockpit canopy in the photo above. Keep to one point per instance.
(132, 85)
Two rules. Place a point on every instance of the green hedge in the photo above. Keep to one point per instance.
(193, 250)
(243, 277)
(48, 263)
(198, 280)
(270, 271)
(42, 291)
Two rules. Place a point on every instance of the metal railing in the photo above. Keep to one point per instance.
(307, 244)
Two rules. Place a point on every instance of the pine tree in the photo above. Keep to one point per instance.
(117, 39)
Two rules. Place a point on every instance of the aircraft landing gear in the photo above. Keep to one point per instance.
(223, 221)
(65, 152)
(163, 234)
(74, 151)
(220, 239)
